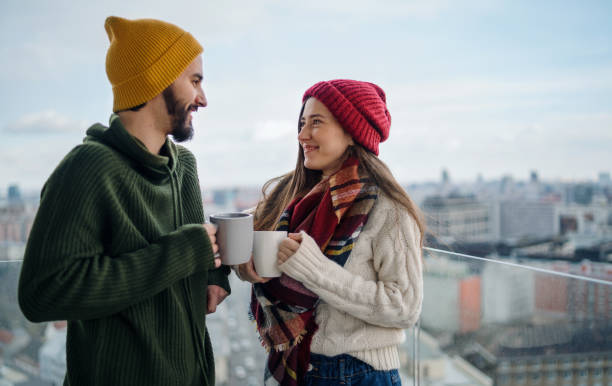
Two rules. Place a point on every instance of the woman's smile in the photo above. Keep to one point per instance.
(309, 148)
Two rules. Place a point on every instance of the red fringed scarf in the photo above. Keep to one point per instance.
(333, 214)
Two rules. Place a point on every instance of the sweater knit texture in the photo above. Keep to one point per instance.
(118, 250)
(366, 305)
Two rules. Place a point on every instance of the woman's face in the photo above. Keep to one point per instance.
(322, 139)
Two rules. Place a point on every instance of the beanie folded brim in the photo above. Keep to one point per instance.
(146, 85)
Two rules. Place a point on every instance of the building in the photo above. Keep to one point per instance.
(52, 354)
(590, 300)
(551, 294)
(457, 295)
(14, 195)
(581, 193)
(527, 220)
(507, 293)
(15, 227)
(540, 356)
(459, 218)
(604, 179)
(434, 367)
(593, 219)
(11, 250)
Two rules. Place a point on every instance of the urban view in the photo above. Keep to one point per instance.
(501, 133)
(518, 288)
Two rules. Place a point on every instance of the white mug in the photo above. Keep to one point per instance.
(265, 252)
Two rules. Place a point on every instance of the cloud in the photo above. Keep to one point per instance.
(394, 9)
(260, 56)
(479, 94)
(47, 121)
(479, 110)
(272, 130)
(29, 159)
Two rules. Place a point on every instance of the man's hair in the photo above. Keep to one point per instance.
(136, 108)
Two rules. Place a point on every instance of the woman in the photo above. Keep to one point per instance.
(352, 272)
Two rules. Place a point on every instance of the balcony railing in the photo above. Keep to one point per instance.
(484, 322)
(512, 322)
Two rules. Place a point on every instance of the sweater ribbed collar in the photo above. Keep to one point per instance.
(117, 137)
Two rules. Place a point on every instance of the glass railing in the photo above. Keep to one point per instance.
(511, 322)
(484, 322)
(32, 354)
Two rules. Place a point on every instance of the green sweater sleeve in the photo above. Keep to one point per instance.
(67, 273)
(219, 277)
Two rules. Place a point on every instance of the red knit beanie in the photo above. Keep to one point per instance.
(359, 107)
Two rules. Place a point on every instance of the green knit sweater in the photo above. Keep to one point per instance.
(117, 249)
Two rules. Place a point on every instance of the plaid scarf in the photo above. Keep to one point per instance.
(333, 214)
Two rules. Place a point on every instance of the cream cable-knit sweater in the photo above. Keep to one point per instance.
(366, 305)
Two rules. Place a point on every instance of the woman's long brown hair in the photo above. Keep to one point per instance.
(278, 192)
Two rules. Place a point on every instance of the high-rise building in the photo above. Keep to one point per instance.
(458, 218)
(223, 197)
(590, 300)
(479, 179)
(14, 193)
(14, 199)
(445, 176)
(591, 219)
(506, 187)
(527, 220)
(507, 293)
(583, 193)
(604, 179)
(452, 295)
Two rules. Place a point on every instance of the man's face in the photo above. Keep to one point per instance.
(182, 98)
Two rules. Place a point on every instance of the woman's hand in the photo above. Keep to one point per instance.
(288, 247)
(246, 272)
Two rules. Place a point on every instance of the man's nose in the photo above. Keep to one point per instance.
(201, 99)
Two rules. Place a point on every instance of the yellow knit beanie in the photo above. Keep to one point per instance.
(145, 56)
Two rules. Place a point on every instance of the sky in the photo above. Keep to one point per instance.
(477, 87)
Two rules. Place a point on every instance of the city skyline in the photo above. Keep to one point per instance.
(490, 88)
(444, 180)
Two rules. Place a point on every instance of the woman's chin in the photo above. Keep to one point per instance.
(310, 165)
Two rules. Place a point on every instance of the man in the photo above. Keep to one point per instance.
(118, 248)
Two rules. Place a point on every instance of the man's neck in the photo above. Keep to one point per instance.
(144, 127)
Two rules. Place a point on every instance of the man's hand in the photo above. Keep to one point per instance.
(288, 247)
(215, 295)
(211, 229)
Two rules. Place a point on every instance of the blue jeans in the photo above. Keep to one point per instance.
(347, 370)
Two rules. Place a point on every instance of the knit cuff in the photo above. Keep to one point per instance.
(307, 263)
(198, 246)
(219, 277)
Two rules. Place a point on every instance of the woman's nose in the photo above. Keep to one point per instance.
(304, 133)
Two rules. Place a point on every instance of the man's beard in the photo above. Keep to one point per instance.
(181, 130)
